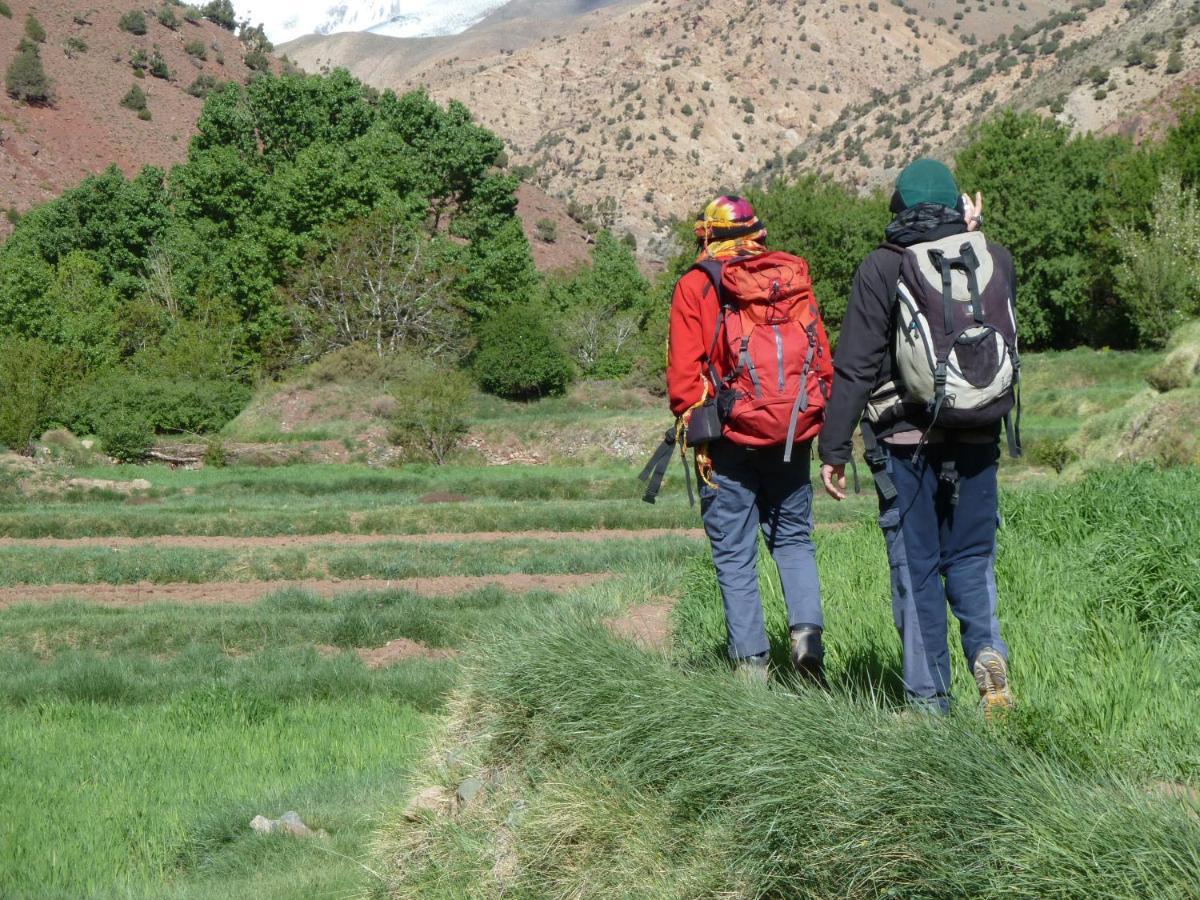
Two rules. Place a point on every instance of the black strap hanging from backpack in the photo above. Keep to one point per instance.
(656, 470)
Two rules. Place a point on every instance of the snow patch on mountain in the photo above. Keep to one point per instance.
(288, 19)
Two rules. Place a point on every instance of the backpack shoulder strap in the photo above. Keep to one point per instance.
(713, 268)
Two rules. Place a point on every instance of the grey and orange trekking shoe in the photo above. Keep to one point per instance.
(808, 653)
(753, 668)
(991, 675)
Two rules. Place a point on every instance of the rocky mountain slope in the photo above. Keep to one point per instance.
(640, 111)
(46, 148)
(633, 114)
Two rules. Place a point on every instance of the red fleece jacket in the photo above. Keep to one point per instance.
(694, 311)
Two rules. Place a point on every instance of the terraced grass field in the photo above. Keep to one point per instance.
(232, 642)
(335, 639)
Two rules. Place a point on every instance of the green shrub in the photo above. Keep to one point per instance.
(196, 48)
(1053, 452)
(175, 404)
(74, 46)
(33, 376)
(135, 99)
(167, 17)
(520, 357)
(192, 15)
(430, 416)
(257, 61)
(34, 30)
(144, 115)
(5, 10)
(133, 21)
(26, 79)
(215, 455)
(125, 435)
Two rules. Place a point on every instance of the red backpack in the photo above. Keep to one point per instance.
(769, 359)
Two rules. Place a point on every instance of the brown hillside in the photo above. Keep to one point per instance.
(640, 112)
(46, 149)
(1082, 72)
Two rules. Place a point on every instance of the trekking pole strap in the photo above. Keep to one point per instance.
(656, 468)
(876, 462)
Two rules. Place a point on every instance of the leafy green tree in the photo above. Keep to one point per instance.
(1159, 275)
(828, 225)
(1045, 201)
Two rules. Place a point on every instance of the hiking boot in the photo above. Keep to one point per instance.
(808, 654)
(753, 668)
(991, 675)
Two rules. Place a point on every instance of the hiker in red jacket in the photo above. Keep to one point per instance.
(749, 369)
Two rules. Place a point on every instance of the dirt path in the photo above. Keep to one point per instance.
(647, 625)
(244, 592)
(226, 542)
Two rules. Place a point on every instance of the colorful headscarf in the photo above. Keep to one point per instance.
(729, 227)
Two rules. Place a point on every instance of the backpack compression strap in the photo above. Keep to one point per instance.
(968, 261)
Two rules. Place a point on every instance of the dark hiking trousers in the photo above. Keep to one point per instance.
(757, 489)
(941, 550)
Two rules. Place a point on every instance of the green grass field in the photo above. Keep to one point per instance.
(140, 739)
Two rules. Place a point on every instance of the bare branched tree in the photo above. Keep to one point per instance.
(375, 283)
(595, 331)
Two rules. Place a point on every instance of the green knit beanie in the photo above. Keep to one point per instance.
(925, 181)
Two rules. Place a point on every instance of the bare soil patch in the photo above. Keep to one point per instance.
(398, 651)
(443, 497)
(246, 592)
(647, 625)
(229, 542)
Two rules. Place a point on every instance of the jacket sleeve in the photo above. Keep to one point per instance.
(685, 349)
(861, 347)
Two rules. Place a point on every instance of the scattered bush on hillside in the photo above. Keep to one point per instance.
(26, 79)
(196, 48)
(5, 10)
(133, 21)
(74, 46)
(125, 435)
(520, 357)
(167, 17)
(135, 99)
(192, 15)
(221, 12)
(1159, 273)
(204, 85)
(429, 419)
(34, 30)
(547, 230)
(158, 66)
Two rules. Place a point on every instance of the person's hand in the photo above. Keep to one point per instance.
(834, 479)
(973, 211)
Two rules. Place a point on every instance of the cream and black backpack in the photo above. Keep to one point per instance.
(955, 345)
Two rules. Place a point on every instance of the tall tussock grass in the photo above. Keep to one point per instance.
(748, 791)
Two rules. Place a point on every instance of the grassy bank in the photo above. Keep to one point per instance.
(617, 773)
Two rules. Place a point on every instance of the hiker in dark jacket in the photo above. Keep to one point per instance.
(937, 485)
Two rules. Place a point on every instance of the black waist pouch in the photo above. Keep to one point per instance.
(705, 424)
(707, 421)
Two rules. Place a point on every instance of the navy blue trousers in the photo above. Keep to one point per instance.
(757, 490)
(942, 548)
